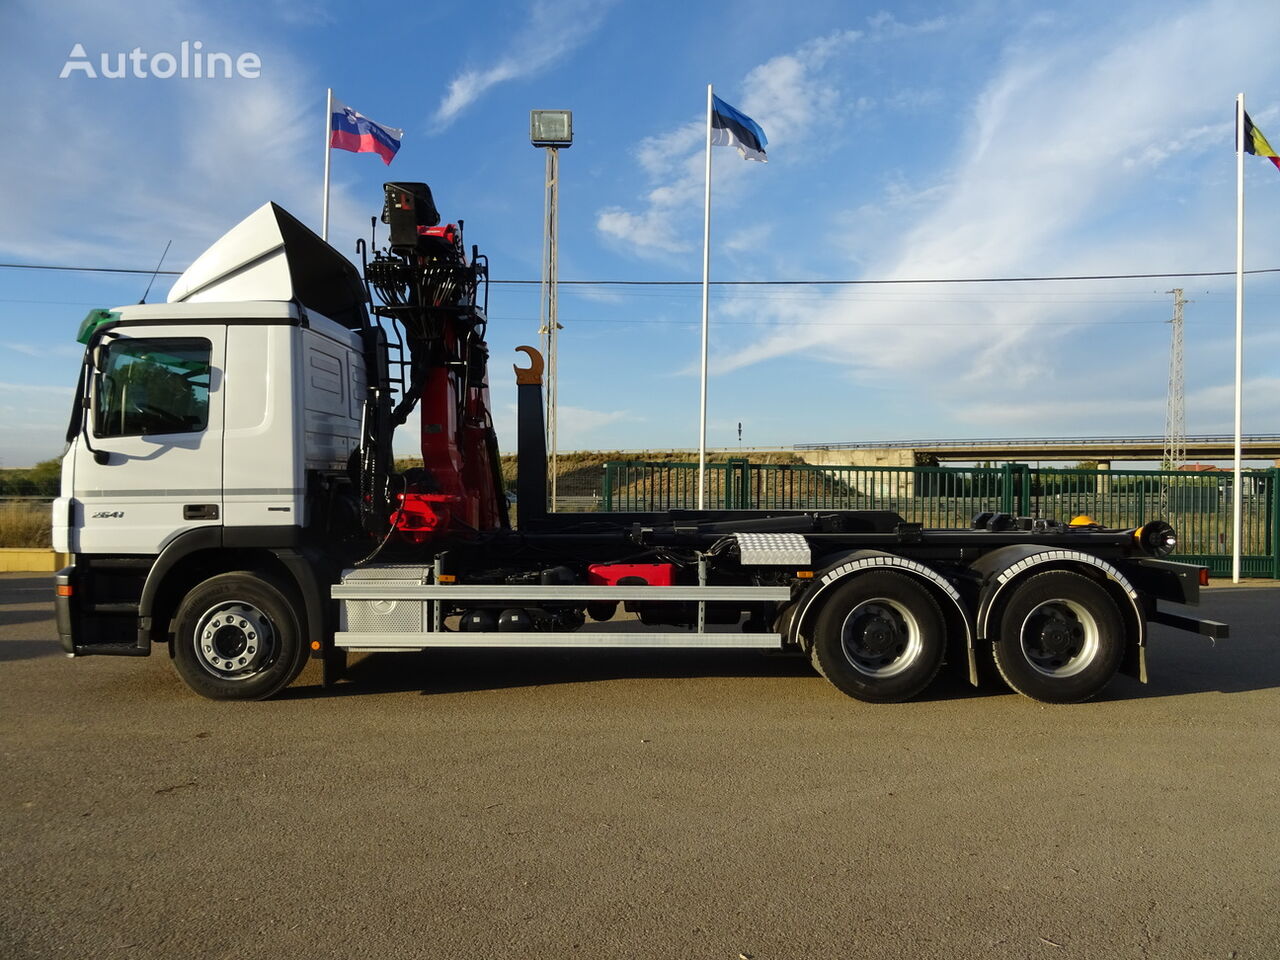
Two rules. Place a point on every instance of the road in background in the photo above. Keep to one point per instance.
(660, 804)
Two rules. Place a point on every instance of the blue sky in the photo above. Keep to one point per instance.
(906, 140)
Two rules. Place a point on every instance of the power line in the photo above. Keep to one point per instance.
(732, 283)
(50, 266)
(828, 323)
(855, 283)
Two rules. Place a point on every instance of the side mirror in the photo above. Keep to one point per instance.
(101, 457)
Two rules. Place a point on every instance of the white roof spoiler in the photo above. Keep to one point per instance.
(270, 255)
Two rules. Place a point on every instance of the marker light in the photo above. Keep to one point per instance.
(1156, 538)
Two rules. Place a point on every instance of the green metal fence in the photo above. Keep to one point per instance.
(1199, 505)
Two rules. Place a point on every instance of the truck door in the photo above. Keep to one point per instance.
(156, 420)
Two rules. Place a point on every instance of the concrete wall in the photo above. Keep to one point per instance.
(860, 457)
(886, 485)
(31, 560)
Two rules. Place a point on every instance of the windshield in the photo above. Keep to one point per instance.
(151, 386)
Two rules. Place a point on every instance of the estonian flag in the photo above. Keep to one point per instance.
(733, 128)
(352, 131)
(1256, 143)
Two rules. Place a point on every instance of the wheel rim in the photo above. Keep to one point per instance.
(881, 638)
(1059, 638)
(235, 640)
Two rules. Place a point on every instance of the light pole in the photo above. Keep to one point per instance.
(551, 130)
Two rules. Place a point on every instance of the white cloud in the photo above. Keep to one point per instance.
(554, 29)
(786, 95)
(1209, 410)
(215, 150)
(1032, 191)
(885, 25)
(578, 428)
(789, 94)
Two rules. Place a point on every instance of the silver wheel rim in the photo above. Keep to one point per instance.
(235, 640)
(881, 638)
(1059, 638)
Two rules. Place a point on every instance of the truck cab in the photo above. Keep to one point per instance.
(205, 432)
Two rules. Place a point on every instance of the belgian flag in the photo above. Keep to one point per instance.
(1256, 143)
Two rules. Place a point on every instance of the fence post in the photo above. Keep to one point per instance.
(1006, 488)
(606, 488)
(736, 494)
(1275, 522)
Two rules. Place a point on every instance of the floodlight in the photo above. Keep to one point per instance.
(551, 128)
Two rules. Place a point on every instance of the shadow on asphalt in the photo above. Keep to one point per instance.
(11, 650)
(35, 593)
(13, 618)
(462, 671)
(32, 589)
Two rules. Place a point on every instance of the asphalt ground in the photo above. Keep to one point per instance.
(636, 804)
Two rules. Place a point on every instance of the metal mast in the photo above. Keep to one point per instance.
(551, 130)
(1175, 420)
(551, 325)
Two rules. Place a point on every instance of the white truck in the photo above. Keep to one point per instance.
(228, 493)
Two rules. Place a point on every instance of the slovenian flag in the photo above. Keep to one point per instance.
(352, 131)
(731, 127)
(1256, 143)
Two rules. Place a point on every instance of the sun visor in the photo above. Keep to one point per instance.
(270, 255)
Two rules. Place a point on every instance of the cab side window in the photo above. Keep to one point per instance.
(148, 386)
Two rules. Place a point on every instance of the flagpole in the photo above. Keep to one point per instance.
(1237, 492)
(706, 281)
(328, 136)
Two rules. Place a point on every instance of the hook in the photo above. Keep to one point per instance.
(533, 372)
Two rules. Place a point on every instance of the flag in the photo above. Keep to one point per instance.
(352, 131)
(1256, 143)
(731, 127)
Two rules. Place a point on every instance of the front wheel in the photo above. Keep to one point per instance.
(237, 637)
(1061, 638)
(880, 638)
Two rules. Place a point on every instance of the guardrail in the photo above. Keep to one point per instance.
(1198, 504)
(1034, 442)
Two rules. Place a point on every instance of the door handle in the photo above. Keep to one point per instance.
(200, 511)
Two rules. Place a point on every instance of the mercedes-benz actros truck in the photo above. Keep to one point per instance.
(229, 495)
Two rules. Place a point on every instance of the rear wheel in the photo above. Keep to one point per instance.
(237, 637)
(1061, 638)
(880, 638)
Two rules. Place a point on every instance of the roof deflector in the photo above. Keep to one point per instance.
(271, 255)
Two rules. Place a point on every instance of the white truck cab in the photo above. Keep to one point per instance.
(206, 414)
(204, 430)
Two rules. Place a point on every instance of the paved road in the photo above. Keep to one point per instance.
(705, 805)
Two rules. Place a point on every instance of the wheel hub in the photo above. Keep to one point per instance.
(880, 638)
(234, 640)
(1060, 638)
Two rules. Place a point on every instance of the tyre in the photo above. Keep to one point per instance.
(1060, 638)
(237, 636)
(880, 638)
